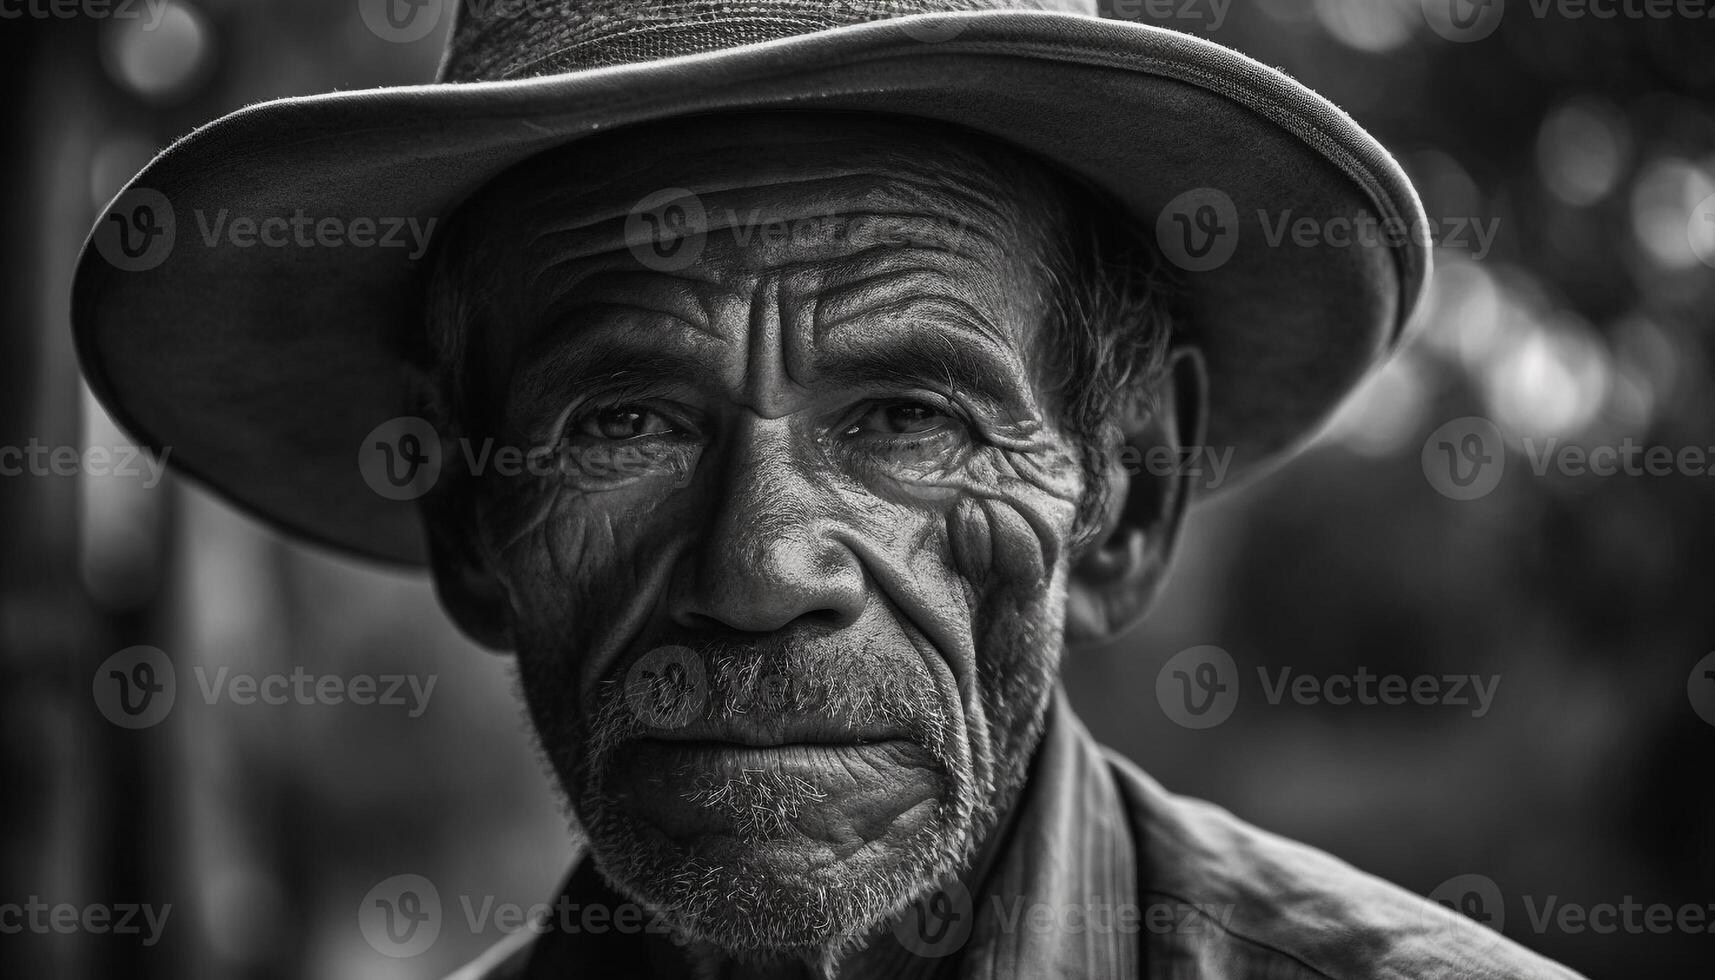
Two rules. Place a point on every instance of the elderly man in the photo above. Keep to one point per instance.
(818, 339)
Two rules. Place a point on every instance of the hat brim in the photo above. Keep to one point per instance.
(263, 368)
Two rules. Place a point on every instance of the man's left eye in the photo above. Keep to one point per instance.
(624, 422)
(902, 418)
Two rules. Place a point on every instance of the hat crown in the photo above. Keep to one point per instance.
(493, 40)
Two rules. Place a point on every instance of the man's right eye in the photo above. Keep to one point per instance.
(620, 422)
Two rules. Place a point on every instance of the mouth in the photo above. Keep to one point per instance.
(739, 732)
(824, 794)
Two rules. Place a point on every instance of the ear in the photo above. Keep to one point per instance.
(1115, 580)
(465, 580)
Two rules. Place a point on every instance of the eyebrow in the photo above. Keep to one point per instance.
(572, 366)
(937, 359)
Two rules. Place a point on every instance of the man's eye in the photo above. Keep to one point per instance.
(902, 418)
(623, 422)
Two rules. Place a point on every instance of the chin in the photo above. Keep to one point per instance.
(770, 888)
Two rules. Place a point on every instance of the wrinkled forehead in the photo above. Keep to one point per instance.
(834, 218)
(761, 190)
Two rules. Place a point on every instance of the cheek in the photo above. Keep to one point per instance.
(984, 540)
(1009, 530)
(1009, 539)
(581, 560)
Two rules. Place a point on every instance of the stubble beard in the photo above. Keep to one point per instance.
(723, 895)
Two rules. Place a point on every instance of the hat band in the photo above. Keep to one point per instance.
(495, 40)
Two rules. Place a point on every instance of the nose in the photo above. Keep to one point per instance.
(770, 557)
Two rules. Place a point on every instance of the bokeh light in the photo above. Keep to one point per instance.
(160, 61)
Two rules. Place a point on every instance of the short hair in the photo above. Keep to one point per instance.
(1110, 323)
(1100, 357)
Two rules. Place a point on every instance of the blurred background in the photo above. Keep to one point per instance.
(1588, 145)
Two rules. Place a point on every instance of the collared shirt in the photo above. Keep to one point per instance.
(1103, 874)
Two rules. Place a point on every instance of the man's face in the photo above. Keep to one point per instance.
(788, 609)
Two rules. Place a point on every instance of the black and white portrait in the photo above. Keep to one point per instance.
(845, 489)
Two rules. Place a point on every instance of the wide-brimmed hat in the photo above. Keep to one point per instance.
(241, 301)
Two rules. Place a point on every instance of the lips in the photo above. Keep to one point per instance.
(827, 797)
